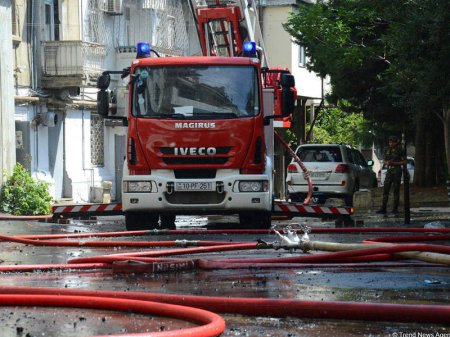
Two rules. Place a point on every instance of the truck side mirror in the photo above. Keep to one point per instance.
(103, 81)
(287, 94)
(287, 101)
(103, 103)
(288, 97)
(287, 80)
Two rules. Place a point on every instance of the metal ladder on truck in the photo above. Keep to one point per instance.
(223, 26)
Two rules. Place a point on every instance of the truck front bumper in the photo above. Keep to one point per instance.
(229, 192)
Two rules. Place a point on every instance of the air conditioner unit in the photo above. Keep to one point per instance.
(111, 7)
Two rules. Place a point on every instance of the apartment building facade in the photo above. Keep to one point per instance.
(59, 49)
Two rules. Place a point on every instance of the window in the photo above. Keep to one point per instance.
(15, 20)
(319, 154)
(97, 141)
(301, 56)
(198, 92)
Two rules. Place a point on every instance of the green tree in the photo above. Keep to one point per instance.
(23, 195)
(388, 59)
(333, 125)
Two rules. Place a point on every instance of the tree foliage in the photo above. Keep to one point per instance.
(333, 125)
(388, 59)
(23, 195)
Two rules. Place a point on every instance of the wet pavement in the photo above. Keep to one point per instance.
(417, 283)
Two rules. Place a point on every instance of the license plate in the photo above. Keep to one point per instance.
(194, 186)
(318, 174)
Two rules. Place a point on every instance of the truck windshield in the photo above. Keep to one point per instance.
(196, 92)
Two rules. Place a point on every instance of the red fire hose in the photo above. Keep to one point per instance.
(213, 324)
(271, 307)
(439, 314)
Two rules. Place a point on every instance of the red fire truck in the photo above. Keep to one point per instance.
(199, 127)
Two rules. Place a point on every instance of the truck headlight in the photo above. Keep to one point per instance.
(137, 186)
(254, 186)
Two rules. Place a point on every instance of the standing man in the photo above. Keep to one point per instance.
(394, 158)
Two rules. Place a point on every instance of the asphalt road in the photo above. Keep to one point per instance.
(393, 282)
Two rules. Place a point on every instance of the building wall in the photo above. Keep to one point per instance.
(7, 134)
(277, 41)
(21, 47)
(70, 19)
(283, 52)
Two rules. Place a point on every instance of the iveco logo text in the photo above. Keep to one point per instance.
(194, 151)
(195, 125)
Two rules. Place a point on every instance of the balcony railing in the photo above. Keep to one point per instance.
(71, 63)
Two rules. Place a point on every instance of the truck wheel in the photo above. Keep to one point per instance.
(168, 221)
(261, 220)
(135, 221)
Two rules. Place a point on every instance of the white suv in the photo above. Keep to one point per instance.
(336, 170)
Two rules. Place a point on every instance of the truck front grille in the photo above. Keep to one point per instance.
(195, 174)
(195, 160)
(190, 156)
(194, 198)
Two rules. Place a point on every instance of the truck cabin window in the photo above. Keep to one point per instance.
(196, 92)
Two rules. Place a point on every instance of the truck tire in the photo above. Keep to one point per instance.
(135, 221)
(168, 221)
(257, 220)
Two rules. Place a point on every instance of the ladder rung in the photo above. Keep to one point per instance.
(221, 32)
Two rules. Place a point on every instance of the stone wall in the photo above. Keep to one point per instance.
(418, 197)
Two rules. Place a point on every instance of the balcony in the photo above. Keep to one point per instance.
(71, 63)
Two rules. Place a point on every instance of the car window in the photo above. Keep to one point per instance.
(356, 158)
(362, 160)
(350, 156)
(319, 154)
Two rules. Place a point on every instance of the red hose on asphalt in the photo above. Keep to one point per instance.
(348, 230)
(418, 313)
(52, 267)
(360, 255)
(213, 324)
(343, 255)
(149, 255)
(173, 243)
(410, 238)
(367, 254)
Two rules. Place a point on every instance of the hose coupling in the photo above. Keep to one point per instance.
(157, 232)
(186, 243)
(304, 240)
(261, 244)
(289, 241)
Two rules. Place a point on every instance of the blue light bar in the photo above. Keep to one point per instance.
(250, 47)
(143, 49)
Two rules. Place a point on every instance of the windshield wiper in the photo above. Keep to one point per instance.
(172, 116)
(217, 114)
